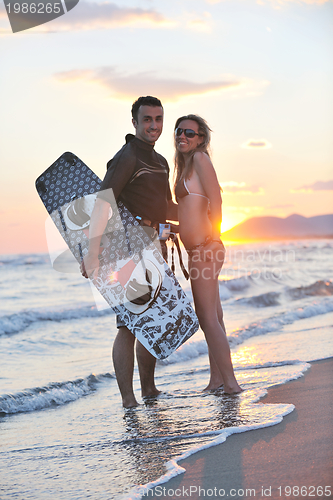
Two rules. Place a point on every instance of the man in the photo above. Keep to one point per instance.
(139, 177)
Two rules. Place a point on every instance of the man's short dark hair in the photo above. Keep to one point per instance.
(144, 101)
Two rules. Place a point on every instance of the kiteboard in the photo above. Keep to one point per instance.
(133, 277)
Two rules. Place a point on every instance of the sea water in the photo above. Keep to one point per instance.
(64, 433)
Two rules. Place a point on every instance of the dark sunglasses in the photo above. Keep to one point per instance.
(188, 132)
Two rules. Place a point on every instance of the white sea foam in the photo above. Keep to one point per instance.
(15, 323)
(276, 322)
(183, 418)
(54, 394)
(224, 292)
(190, 350)
(272, 364)
(24, 260)
(194, 348)
(235, 284)
(173, 467)
(270, 414)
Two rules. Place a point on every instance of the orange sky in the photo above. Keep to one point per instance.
(260, 73)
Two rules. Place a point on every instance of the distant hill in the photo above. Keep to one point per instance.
(272, 228)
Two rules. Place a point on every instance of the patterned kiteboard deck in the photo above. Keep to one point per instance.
(157, 312)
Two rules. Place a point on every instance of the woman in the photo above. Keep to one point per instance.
(199, 210)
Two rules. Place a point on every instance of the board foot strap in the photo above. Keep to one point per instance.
(174, 238)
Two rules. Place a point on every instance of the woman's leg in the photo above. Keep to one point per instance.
(216, 379)
(204, 282)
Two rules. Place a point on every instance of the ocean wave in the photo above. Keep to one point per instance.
(268, 299)
(24, 260)
(264, 300)
(270, 364)
(54, 394)
(235, 284)
(275, 323)
(15, 323)
(240, 284)
(195, 348)
(173, 467)
(322, 288)
(268, 415)
(224, 292)
(190, 350)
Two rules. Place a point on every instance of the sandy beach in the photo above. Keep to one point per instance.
(64, 432)
(293, 459)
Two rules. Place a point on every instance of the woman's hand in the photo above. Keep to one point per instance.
(213, 252)
(89, 266)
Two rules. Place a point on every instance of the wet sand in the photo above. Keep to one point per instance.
(293, 459)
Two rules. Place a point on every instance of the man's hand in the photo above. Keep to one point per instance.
(89, 266)
(172, 211)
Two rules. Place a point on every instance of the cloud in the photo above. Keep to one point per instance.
(278, 207)
(256, 144)
(316, 186)
(128, 86)
(104, 15)
(199, 25)
(201, 22)
(241, 188)
(3, 13)
(279, 3)
(245, 210)
(109, 15)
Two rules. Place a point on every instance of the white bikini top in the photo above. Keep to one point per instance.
(194, 194)
(181, 192)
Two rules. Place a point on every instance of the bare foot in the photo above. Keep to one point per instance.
(212, 387)
(150, 393)
(130, 403)
(233, 389)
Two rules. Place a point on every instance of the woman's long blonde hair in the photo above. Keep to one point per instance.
(182, 171)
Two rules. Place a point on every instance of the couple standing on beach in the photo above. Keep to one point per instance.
(139, 177)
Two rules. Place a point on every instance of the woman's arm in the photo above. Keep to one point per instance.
(172, 211)
(208, 179)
